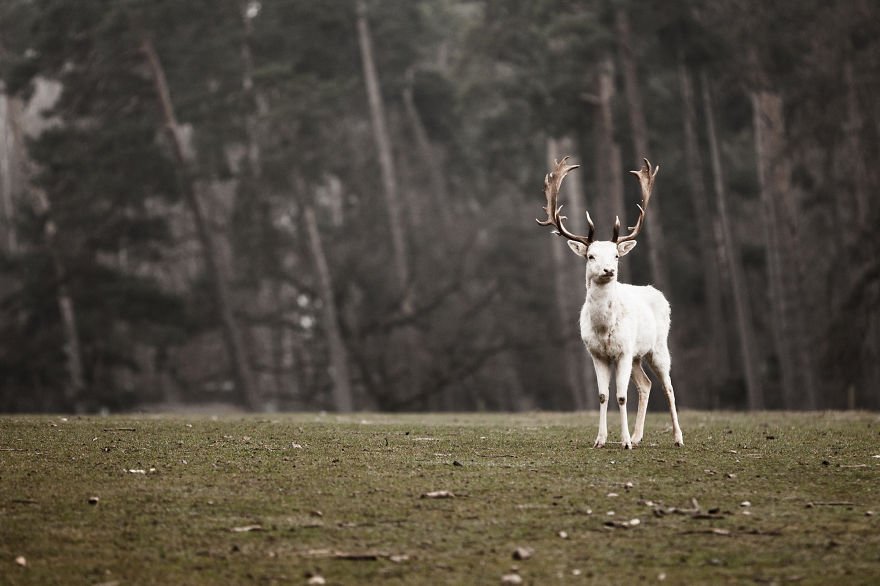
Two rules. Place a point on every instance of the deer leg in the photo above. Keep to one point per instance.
(661, 363)
(603, 378)
(643, 383)
(624, 369)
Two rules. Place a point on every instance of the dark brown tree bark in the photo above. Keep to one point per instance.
(231, 331)
(709, 255)
(742, 307)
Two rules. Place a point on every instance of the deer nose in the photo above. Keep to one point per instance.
(609, 272)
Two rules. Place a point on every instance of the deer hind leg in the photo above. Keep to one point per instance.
(643, 384)
(662, 363)
(624, 369)
(603, 378)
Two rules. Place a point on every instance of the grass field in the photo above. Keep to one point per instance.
(289, 499)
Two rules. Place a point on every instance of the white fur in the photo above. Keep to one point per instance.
(621, 325)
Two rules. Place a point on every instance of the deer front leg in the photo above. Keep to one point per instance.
(624, 370)
(643, 384)
(603, 378)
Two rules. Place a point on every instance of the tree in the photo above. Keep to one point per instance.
(742, 307)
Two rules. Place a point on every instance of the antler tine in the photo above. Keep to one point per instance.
(646, 177)
(552, 182)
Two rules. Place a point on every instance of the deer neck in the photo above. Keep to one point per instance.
(602, 302)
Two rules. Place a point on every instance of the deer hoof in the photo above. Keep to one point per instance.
(599, 444)
(679, 443)
(626, 445)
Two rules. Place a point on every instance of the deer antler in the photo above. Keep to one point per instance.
(552, 181)
(646, 179)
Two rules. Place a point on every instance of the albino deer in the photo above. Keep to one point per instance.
(620, 324)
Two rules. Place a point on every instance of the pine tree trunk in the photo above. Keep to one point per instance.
(854, 127)
(342, 394)
(386, 159)
(609, 178)
(569, 285)
(9, 153)
(17, 163)
(232, 336)
(75, 384)
(742, 307)
(431, 159)
(718, 351)
(257, 103)
(781, 238)
(567, 318)
(639, 127)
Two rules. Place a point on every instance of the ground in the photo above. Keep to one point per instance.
(289, 499)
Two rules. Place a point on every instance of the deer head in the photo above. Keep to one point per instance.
(602, 256)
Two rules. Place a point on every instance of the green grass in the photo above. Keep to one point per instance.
(341, 497)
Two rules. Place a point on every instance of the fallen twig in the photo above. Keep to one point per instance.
(714, 531)
(120, 429)
(365, 556)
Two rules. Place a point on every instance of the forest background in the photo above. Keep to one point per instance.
(304, 205)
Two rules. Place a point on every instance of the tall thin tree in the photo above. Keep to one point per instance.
(339, 372)
(609, 177)
(708, 251)
(781, 237)
(382, 138)
(230, 328)
(742, 306)
(639, 127)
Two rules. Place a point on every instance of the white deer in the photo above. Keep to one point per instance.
(620, 324)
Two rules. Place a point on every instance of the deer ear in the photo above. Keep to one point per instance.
(579, 248)
(624, 247)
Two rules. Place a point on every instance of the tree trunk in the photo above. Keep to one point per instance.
(386, 159)
(569, 282)
(742, 307)
(718, 351)
(431, 159)
(16, 172)
(853, 128)
(609, 178)
(342, 394)
(639, 128)
(781, 239)
(258, 106)
(231, 331)
(75, 384)
(9, 153)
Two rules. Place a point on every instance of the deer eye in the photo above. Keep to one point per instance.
(591, 257)
(616, 256)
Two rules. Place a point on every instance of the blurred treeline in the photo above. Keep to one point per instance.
(296, 204)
